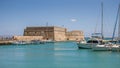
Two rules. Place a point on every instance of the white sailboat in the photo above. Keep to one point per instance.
(102, 47)
(110, 46)
(96, 37)
(116, 47)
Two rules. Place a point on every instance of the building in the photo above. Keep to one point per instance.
(54, 33)
(75, 35)
(48, 32)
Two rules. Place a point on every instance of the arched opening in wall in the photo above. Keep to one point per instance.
(47, 38)
(67, 38)
(76, 38)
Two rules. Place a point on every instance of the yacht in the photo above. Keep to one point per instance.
(89, 44)
(96, 38)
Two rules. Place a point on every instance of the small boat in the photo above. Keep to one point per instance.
(37, 42)
(89, 44)
(20, 43)
(48, 41)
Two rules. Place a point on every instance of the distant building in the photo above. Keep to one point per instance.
(48, 32)
(54, 33)
(75, 35)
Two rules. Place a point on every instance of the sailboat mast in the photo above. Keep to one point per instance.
(119, 24)
(102, 19)
(118, 14)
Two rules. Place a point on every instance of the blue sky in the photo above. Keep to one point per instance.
(85, 15)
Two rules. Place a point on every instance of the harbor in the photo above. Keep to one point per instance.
(59, 34)
(43, 34)
(56, 55)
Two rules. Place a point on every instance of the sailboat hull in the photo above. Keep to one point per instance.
(101, 48)
(85, 46)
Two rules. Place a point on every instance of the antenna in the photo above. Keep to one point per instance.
(46, 23)
(62, 25)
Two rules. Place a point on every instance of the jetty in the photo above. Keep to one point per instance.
(5, 42)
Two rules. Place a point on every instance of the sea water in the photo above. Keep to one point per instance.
(56, 55)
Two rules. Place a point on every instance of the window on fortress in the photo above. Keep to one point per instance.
(76, 38)
(67, 38)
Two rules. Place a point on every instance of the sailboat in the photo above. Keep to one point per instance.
(110, 46)
(116, 46)
(97, 38)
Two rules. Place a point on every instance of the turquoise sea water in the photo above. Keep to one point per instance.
(56, 55)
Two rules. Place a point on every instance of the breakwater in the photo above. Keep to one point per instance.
(5, 42)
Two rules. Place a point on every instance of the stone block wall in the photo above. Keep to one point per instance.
(54, 33)
(59, 34)
(75, 35)
(27, 38)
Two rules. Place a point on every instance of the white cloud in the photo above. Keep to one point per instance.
(73, 20)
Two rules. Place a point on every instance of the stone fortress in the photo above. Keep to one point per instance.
(53, 33)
